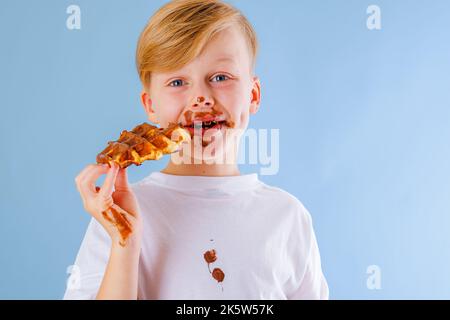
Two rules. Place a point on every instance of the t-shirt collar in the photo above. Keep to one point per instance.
(206, 183)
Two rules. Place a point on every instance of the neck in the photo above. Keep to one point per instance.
(203, 169)
(227, 167)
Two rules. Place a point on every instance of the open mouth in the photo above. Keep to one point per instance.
(203, 126)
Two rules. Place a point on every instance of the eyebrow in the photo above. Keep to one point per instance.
(224, 59)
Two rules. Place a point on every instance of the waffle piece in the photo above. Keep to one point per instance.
(144, 142)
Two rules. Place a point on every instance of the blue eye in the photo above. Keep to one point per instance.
(220, 75)
(176, 81)
(179, 82)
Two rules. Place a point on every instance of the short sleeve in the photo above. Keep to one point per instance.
(313, 285)
(90, 263)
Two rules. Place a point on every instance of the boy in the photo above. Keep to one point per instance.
(200, 229)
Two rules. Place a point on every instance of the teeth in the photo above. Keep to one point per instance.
(199, 124)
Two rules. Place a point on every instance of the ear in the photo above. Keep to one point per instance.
(148, 107)
(255, 96)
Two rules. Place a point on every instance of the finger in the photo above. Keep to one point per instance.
(87, 171)
(122, 181)
(107, 187)
(86, 179)
(82, 174)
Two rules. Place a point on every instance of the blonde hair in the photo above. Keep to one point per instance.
(177, 33)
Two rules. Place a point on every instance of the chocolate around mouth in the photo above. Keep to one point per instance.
(206, 120)
(206, 124)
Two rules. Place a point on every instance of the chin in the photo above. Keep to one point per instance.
(204, 153)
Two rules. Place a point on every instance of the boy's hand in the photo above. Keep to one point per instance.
(117, 211)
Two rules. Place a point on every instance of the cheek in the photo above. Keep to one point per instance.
(169, 108)
(243, 119)
(238, 105)
(233, 98)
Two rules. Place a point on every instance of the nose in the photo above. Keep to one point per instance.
(201, 101)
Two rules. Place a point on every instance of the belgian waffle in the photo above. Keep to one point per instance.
(144, 142)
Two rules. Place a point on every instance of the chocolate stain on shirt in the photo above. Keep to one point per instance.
(210, 256)
(218, 274)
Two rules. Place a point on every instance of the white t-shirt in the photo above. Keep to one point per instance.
(263, 239)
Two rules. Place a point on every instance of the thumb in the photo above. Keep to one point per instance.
(121, 183)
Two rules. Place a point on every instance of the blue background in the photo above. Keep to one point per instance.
(363, 117)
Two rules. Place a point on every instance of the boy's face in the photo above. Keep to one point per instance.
(218, 84)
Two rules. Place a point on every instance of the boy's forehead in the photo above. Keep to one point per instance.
(227, 48)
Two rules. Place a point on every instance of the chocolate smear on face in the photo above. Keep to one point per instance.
(230, 124)
(188, 117)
